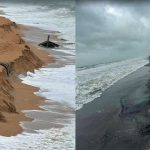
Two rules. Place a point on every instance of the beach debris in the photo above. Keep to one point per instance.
(48, 43)
(7, 66)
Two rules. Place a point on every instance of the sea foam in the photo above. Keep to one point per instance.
(92, 82)
(55, 83)
(47, 17)
(52, 139)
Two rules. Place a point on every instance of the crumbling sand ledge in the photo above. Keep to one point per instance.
(15, 96)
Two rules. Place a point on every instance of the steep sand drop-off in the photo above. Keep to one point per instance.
(6, 98)
(20, 57)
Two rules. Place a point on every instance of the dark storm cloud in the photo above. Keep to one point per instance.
(115, 1)
(105, 29)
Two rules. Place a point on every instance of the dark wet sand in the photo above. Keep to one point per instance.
(120, 118)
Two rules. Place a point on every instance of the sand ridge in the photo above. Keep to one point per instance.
(15, 96)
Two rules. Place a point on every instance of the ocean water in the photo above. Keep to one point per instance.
(47, 14)
(112, 42)
(57, 85)
(53, 139)
(92, 81)
(52, 82)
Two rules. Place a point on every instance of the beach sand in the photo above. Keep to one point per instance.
(16, 96)
(119, 119)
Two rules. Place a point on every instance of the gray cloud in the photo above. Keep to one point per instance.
(111, 31)
(115, 1)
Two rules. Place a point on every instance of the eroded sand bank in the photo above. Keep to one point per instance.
(14, 95)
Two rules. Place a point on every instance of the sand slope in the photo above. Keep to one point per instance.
(14, 96)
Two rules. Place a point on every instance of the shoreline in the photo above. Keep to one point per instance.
(105, 124)
(34, 35)
(21, 91)
(28, 121)
(54, 127)
(54, 110)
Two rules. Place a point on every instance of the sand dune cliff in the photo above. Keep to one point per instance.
(15, 52)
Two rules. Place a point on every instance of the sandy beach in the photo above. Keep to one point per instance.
(42, 105)
(16, 96)
(119, 118)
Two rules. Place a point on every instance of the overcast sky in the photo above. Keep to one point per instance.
(112, 31)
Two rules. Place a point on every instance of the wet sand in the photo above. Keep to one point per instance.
(120, 118)
(28, 105)
(34, 36)
(57, 115)
(52, 121)
(24, 100)
(16, 96)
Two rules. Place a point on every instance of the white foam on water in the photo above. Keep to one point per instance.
(44, 17)
(55, 83)
(71, 51)
(93, 81)
(52, 139)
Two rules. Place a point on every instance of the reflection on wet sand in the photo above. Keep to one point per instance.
(120, 118)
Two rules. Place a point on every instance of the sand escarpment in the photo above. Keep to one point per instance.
(15, 57)
(6, 97)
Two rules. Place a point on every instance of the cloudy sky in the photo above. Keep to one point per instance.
(115, 31)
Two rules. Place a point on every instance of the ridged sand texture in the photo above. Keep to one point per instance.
(13, 51)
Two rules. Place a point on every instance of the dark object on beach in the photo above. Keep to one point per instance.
(48, 44)
(7, 66)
